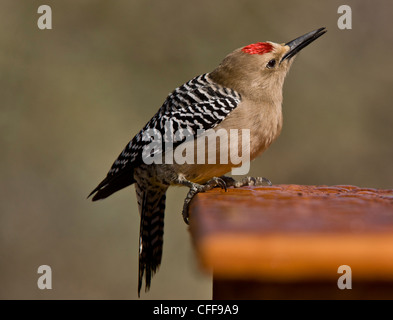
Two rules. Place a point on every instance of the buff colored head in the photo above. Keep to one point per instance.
(259, 69)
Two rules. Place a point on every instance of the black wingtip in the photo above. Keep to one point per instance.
(97, 193)
(91, 193)
(111, 184)
(99, 188)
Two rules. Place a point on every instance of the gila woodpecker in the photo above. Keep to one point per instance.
(243, 92)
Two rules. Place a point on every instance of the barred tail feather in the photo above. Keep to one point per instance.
(151, 207)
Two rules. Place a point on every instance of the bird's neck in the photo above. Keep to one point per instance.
(260, 90)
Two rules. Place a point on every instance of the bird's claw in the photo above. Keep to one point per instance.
(223, 183)
(197, 188)
(215, 182)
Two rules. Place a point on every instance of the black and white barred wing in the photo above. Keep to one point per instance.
(191, 109)
(196, 106)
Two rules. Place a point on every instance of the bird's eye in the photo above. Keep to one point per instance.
(271, 64)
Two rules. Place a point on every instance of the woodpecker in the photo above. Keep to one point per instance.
(244, 91)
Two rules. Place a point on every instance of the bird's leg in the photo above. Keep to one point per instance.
(247, 181)
(196, 188)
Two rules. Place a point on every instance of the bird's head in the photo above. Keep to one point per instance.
(257, 71)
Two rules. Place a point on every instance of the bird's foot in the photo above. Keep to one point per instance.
(222, 182)
(245, 182)
(197, 188)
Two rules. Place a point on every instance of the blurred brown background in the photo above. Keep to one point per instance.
(73, 96)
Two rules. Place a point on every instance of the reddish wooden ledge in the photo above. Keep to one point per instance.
(287, 241)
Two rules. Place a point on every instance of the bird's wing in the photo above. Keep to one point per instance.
(199, 104)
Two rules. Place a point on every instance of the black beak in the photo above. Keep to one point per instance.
(299, 43)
